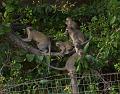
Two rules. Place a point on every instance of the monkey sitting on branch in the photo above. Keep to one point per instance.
(42, 41)
(77, 37)
(65, 47)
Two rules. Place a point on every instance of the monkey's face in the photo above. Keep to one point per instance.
(68, 21)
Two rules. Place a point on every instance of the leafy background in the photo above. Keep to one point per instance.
(98, 20)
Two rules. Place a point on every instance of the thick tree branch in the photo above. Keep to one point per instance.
(18, 41)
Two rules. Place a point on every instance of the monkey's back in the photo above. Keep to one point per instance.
(40, 37)
(71, 62)
(77, 36)
(80, 35)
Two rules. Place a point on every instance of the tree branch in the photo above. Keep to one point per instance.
(18, 41)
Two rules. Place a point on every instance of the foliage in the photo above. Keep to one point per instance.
(4, 28)
(98, 20)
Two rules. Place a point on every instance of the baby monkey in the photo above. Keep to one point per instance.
(42, 41)
(65, 47)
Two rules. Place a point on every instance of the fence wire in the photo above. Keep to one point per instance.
(61, 84)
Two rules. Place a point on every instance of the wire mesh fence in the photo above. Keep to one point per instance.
(61, 84)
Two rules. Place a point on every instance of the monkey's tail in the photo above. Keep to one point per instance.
(49, 47)
(86, 42)
(56, 68)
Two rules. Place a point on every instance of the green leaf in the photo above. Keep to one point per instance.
(90, 58)
(85, 65)
(39, 58)
(18, 58)
(113, 20)
(5, 14)
(47, 59)
(4, 28)
(79, 68)
(86, 47)
(30, 57)
(9, 9)
(17, 66)
(94, 19)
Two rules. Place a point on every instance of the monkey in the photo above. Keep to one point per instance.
(75, 34)
(77, 37)
(72, 29)
(69, 66)
(42, 41)
(70, 23)
(65, 47)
